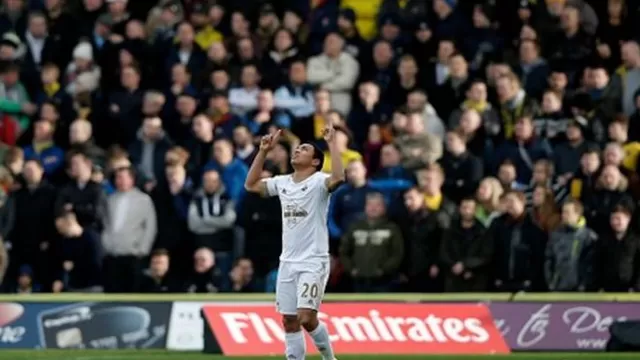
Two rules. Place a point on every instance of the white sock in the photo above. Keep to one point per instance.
(296, 347)
(320, 337)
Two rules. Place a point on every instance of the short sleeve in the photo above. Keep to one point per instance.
(272, 185)
(322, 181)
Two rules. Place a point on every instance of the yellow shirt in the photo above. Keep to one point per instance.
(347, 157)
(318, 126)
(207, 36)
(433, 202)
(631, 152)
(366, 13)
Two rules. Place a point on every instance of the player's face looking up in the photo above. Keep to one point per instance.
(303, 156)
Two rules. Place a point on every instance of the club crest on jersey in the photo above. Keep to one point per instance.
(304, 188)
(293, 215)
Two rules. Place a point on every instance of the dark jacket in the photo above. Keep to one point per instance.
(463, 174)
(149, 284)
(474, 250)
(374, 249)
(519, 247)
(618, 263)
(88, 203)
(34, 218)
(261, 219)
(568, 262)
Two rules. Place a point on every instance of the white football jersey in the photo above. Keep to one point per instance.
(304, 216)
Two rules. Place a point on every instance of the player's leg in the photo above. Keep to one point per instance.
(286, 304)
(311, 287)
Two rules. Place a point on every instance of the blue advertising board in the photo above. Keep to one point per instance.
(89, 325)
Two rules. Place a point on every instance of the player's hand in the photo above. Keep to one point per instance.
(267, 142)
(329, 132)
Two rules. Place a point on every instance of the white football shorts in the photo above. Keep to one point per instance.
(301, 286)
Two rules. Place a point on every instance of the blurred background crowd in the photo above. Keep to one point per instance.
(489, 145)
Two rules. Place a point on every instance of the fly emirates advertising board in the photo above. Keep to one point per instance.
(364, 328)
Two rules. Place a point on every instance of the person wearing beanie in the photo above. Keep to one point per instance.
(355, 45)
(82, 74)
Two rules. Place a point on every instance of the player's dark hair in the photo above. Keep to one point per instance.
(319, 155)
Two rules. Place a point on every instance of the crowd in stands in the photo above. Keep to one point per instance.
(489, 145)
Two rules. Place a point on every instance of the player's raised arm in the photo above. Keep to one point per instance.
(253, 182)
(337, 170)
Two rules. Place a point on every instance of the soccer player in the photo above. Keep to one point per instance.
(304, 262)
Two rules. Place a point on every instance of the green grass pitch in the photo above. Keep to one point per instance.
(164, 355)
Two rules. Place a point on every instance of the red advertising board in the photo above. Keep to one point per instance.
(364, 328)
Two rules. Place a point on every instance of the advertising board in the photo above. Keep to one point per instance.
(364, 328)
(93, 325)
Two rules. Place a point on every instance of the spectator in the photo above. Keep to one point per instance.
(629, 75)
(81, 195)
(390, 164)
(80, 255)
(418, 147)
(220, 112)
(544, 210)
(171, 201)
(157, 278)
(241, 277)
(25, 281)
(44, 149)
(463, 170)
(130, 229)
(567, 153)
(186, 51)
(570, 252)
(487, 198)
(34, 204)
(355, 44)
(260, 217)
(231, 169)
(533, 69)
(212, 217)
(524, 150)
(348, 202)
(372, 249)
(335, 71)
(617, 254)
(296, 94)
(610, 191)
(266, 115)
(81, 140)
(514, 103)
(148, 151)
(342, 142)
(451, 93)
(245, 98)
(243, 143)
(466, 252)
(422, 233)
(518, 247)
(205, 277)
(14, 103)
(417, 102)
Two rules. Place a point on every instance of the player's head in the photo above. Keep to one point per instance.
(307, 155)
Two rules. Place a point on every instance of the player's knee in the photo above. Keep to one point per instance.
(307, 318)
(290, 323)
